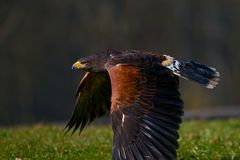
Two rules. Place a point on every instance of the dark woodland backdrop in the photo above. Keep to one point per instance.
(39, 41)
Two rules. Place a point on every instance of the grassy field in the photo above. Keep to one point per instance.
(218, 139)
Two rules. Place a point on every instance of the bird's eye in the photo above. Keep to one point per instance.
(83, 61)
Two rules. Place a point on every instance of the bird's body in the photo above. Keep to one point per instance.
(140, 89)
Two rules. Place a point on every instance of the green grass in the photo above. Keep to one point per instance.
(218, 139)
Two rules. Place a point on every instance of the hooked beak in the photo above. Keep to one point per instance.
(78, 65)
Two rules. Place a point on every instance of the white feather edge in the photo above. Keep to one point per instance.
(169, 63)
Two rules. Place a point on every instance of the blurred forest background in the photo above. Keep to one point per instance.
(40, 40)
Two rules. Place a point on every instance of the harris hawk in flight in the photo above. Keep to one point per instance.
(141, 91)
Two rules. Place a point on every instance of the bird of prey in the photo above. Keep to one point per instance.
(140, 89)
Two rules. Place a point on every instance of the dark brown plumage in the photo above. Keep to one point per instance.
(140, 89)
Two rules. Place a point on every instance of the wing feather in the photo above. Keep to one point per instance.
(93, 100)
(145, 112)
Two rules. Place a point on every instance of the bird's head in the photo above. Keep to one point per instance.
(93, 63)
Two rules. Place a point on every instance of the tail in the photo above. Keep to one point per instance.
(199, 73)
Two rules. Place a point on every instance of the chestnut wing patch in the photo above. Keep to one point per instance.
(129, 84)
(145, 112)
(93, 100)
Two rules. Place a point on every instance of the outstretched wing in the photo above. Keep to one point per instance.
(93, 100)
(146, 110)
